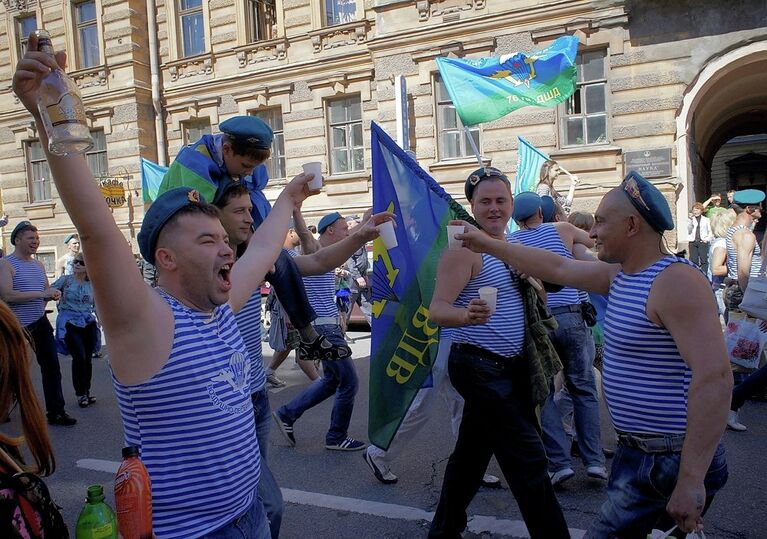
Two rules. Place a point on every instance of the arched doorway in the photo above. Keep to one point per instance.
(728, 99)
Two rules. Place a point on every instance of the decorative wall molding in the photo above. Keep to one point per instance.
(87, 78)
(18, 5)
(264, 96)
(190, 67)
(23, 132)
(194, 108)
(100, 118)
(261, 51)
(341, 35)
(341, 83)
(584, 27)
(441, 8)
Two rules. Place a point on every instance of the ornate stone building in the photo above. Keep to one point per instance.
(662, 85)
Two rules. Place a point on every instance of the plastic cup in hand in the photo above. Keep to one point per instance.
(452, 230)
(315, 167)
(386, 229)
(489, 294)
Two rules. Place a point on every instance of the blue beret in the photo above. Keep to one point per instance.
(70, 237)
(748, 197)
(648, 201)
(161, 210)
(252, 130)
(18, 229)
(525, 205)
(482, 174)
(328, 220)
(549, 208)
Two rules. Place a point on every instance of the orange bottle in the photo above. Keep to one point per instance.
(133, 497)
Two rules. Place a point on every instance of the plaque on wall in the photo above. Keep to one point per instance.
(648, 163)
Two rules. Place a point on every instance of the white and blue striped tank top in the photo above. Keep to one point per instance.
(321, 292)
(732, 255)
(546, 236)
(194, 423)
(249, 324)
(504, 333)
(645, 378)
(28, 276)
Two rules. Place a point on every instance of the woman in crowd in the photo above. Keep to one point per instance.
(76, 327)
(550, 171)
(717, 268)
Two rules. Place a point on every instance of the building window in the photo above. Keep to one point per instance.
(97, 156)
(88, 53)
(453, 141)
(192, 27)
(346, 148)
(262, 20)
(48, 258)
(25, 25)
(276, 163)
(583, 117)
(194, 129)
(340, 11)
(39, 174)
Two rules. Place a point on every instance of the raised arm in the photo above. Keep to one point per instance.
(543, 264)
(677, 293)
(309, 243)
(134, 317)
(745, 243)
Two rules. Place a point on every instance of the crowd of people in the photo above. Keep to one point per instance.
(588, 307)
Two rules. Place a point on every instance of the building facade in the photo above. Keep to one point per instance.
(661, 86)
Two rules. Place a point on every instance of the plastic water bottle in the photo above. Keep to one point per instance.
(96, 520)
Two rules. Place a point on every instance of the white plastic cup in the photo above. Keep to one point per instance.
(315, 167)
(452, 230)
(489, 294)
(386, 229)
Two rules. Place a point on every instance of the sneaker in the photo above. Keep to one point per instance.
(597, 472)
(285, 428)
(491, 481)
(382, 473)
(273, 381)
(733, 423)
(322, 348)
(82, 401)
(558, 478)
(608, 453)
(349, 444)
(62, 419)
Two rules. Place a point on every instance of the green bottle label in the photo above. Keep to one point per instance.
(103, 532)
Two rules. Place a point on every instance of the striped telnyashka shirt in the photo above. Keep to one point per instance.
(732, 255)
(28, 276)
(249, 323)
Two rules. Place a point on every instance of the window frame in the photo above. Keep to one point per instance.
(327, 23)
(195, 123)
(256, 29)
(31, 181)
(349, 123)
(47, 251)
(78, 27)
(99, 152)
(465, 151)
(562, 115)
(277, 162)
(21, 39)
(181, 14)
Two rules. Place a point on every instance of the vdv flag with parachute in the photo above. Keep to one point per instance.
(404, 341)
(529, 162)
(485, 89)
(151, 178)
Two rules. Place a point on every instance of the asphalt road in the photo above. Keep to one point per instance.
(334, 495)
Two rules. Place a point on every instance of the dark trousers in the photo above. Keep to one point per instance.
(44, 345)
(289, 287)
(756, 381)
(699, 254)
(81, 343)
(498, 419)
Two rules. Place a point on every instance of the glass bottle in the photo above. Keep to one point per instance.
(61, 108)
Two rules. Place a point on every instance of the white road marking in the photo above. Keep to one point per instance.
(477, 523)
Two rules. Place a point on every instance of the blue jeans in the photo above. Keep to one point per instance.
(339, 377)
(575, 346)
(268, 489)
(252, 524)
(639, 488)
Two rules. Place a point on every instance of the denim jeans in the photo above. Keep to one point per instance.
(268, 489)
(575, 346)
(289, 287)
(339, 377)
(639, 488)
(252, 524)
(498, 419)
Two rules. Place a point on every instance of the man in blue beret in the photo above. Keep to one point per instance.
(666, 374)
(65, 263)
(573, 342)
(236, 157)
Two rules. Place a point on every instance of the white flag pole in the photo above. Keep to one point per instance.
(473, 146)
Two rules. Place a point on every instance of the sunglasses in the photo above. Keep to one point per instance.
(79, 262)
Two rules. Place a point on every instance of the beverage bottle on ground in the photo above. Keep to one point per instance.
(96, 520)
(133, 496)
(61, 108)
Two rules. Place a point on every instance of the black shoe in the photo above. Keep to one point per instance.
(62, 419)
(608, 453)
(82, 401)
(322, 348)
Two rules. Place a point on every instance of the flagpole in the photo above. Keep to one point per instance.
(473, 146)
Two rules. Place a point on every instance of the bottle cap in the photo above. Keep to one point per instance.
(95, 493)
(130, 451)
